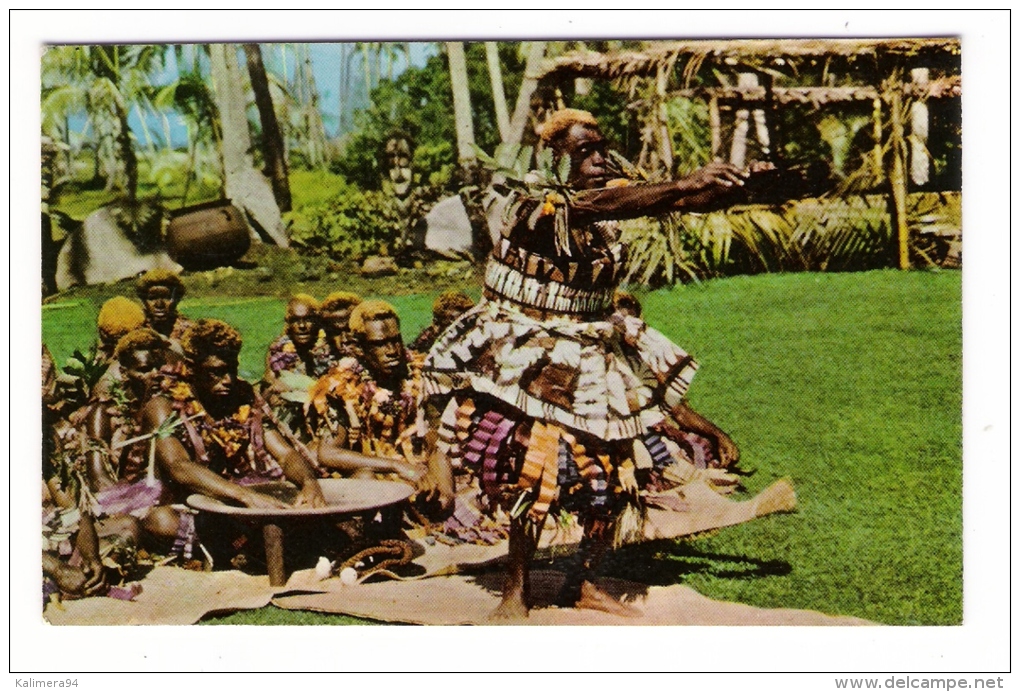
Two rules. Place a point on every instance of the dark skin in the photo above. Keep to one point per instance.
(88, 579)
(301, 323)
(708, 188)
(386, 360)
(160, 304)
(215, 384)
(443, 318)
(138, 368)
(336, 324)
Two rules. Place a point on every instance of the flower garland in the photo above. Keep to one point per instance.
(379, 421)
(283, 356)
(235, 435)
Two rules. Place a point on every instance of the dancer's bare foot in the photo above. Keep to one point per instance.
(512, 607)
(594, 598)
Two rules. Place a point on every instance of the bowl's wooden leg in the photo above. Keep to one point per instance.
(272, 535)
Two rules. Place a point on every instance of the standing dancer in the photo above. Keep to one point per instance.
(550, 396)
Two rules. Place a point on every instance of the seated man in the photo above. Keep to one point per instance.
(82, 380)
(365, 413)
(335, 315)
(117, 317)
(161, 292)
(109, 438)
(209, 431)
(298, 354)
(71, 558)
(445, 310)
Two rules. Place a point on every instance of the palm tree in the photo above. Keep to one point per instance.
(104, 82)
(461, 106)
(244, 185)
(190, 95)
(272, 140)
(536, 52)
(498, 93)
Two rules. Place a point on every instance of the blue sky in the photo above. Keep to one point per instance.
(326, 60)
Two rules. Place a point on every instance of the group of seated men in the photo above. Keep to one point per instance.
(169, 416)
(165, 415)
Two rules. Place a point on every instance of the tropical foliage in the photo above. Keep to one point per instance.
(109, 111)
(836, 234)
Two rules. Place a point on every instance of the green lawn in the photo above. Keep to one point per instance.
(849, 384)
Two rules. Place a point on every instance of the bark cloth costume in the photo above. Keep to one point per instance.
(551, 391)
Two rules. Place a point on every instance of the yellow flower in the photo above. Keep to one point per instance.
(181, 391)
(243, 413)
(551, 200)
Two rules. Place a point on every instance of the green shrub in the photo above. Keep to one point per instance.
(350, 223)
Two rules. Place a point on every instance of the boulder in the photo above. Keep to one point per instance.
(448, 228)
(101, 252)
(378, 265)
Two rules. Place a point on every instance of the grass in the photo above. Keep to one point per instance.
(849, 384)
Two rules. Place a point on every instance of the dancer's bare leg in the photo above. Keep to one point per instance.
(580, 590)
(514, 605)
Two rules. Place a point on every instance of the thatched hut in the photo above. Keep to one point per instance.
(748, 84)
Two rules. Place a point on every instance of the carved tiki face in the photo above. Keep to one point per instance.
(398, 165)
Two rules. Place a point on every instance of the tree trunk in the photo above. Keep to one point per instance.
(316, 128)
(272, 140)
(127, 155)
(245, 186)
(528, 85)
(498, 93)
(461, 106)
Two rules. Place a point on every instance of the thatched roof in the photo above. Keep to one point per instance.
(943, 87)
(665, 54)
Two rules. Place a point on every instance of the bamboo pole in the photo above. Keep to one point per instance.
(876, 152)
(715, 123)
(897, 174)
(919, 127)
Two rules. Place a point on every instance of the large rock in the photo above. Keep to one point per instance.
(449, 230)
(101, 252)
(377, 265)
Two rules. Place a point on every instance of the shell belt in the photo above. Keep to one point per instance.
(503, 281)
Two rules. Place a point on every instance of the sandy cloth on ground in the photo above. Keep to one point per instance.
(468, 600)
(170, 596)
(175, 596)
